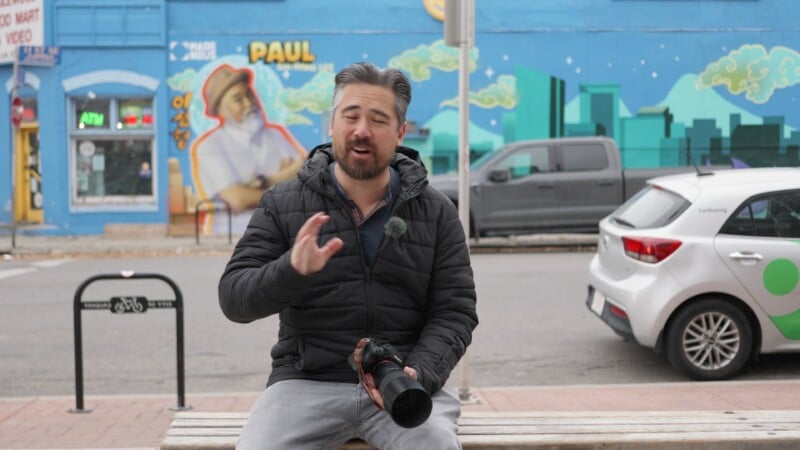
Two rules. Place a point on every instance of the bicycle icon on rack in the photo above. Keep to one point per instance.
(121, 305)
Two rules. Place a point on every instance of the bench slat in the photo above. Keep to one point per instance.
(759, 417)
(633, 441)
(536, 426)
(488, 415)
(623, 430)
(537, 429)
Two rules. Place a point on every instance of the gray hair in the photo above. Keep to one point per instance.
(368, 73)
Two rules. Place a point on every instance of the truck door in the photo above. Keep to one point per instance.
(519, 192)
(588, 188)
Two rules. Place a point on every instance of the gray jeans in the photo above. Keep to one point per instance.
(302, 414)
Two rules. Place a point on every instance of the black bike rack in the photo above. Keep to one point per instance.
(125, 305)
(212, 203)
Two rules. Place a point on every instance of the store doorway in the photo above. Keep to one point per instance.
(28, 192)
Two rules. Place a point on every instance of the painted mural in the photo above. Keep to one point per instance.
(666, 100)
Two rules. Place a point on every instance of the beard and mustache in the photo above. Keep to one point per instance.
(360, 169)
(252, 122)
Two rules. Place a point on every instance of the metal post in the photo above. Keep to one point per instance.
(179, 341)
(78, 332)
(467, 17)
(14, 151)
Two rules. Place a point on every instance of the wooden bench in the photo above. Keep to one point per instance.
(754, 429)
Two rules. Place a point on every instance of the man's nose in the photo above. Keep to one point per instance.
(362, 129)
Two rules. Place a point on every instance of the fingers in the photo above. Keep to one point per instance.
(331, 247)
(369, 381)
(372, 391)
(312, 225)
(306, 256)
(377, 398)
(410, 371)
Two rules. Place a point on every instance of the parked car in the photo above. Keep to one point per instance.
(704, 268)
(553, 185)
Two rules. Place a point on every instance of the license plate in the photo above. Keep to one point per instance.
(598, 302)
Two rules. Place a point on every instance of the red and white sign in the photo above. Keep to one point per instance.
(21, 23)
(16, 111)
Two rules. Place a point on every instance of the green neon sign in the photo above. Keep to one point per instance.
(92, 119)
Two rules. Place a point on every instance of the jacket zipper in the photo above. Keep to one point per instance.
(399, 203)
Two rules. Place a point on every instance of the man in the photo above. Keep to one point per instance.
(315, 252)
(245, 154)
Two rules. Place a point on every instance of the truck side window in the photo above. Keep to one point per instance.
(526, 161)
(583, 157)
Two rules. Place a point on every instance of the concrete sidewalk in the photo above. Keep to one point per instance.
(140, 421)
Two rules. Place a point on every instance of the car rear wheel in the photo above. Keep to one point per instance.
(709, 340)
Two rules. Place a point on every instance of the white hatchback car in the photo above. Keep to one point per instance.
(704, 268)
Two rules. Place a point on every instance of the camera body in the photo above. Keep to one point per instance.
(404, 398)
(376, 352)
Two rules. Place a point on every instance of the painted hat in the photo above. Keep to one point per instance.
(222, 79)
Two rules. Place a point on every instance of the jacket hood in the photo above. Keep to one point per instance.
(413, 175)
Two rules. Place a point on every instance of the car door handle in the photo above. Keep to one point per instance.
(745, 256)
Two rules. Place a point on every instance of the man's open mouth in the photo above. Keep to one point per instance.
(361, 150)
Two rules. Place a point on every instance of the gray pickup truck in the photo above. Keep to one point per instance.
(555, 185)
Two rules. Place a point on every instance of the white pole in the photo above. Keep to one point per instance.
(466, 29)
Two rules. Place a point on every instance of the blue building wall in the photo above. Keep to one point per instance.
(653, 52)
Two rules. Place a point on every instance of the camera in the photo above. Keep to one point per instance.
(404, 398)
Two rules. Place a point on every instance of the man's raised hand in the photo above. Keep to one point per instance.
(307, 257)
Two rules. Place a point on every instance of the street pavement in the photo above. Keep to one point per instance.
(140, 421)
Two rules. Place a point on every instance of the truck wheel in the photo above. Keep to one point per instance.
(709, 340)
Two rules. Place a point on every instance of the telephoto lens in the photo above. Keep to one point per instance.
(407, 402)
(404, 398)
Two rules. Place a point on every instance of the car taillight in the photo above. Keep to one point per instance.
(649, 250)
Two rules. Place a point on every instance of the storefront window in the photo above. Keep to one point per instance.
(135, 114)
(113, 152)
(30, 111)
(114, 168)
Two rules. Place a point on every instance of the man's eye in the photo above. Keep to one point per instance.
(379, 121)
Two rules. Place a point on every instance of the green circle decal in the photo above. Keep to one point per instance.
(781, 277)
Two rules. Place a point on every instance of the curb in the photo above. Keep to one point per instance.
(147, 247)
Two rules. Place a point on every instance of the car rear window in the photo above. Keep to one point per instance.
(652, 207)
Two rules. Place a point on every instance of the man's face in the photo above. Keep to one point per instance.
(237, 103)
(364, 130)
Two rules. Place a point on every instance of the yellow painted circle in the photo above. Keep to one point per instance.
(435, 8)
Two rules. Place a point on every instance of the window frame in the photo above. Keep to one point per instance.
(115, 131)
(504, 163)
(757, 226)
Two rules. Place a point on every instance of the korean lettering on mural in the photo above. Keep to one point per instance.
(181, 133)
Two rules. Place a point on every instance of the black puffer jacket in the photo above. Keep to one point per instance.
(419, 293)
